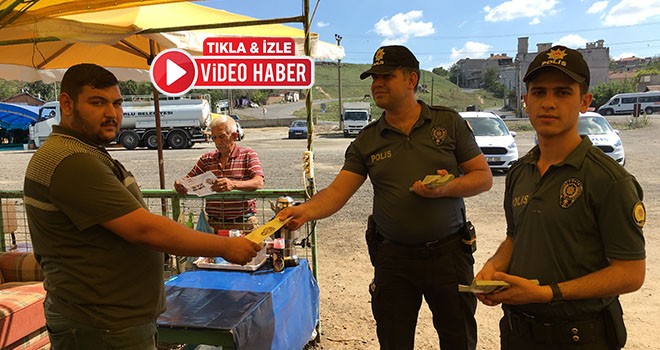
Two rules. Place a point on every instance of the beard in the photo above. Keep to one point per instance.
(93, 133)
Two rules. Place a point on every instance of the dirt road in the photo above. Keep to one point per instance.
(344, 268)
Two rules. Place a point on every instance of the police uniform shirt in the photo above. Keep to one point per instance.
(440, 139)
(568, 222)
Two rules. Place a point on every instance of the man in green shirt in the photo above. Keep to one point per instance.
(98, 245)
(574, 223)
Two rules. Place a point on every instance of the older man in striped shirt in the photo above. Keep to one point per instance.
(236, 168)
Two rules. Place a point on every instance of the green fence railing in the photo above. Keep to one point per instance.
(15, 232)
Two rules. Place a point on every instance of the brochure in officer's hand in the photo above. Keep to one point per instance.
(432, 181)
(486, 286)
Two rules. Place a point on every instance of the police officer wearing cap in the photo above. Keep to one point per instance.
(574, 223)
(413, 235)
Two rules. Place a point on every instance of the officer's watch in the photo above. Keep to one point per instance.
(556, 293)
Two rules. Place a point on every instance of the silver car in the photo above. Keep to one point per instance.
(494, 138)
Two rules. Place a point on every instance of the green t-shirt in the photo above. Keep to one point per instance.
(570, 221)
(93, 276)
(440, 139)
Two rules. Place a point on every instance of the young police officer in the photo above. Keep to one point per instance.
(413, 241)
(574, 222)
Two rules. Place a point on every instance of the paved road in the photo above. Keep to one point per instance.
(277, 110)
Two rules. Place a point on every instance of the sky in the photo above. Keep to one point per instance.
(440, 32)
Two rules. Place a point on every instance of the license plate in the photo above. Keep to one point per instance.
(493, 159)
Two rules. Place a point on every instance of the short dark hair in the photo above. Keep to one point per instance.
(408, 70)
(86, 74)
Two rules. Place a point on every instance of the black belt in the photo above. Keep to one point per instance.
(555, 332)
(423, 250)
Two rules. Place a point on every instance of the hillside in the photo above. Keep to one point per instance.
(439, 90)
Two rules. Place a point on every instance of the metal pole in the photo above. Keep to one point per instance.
(518, 90)
(341, 124)
(432, 80)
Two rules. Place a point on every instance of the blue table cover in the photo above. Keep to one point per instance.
(272, 310)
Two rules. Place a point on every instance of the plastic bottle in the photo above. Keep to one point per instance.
(278, 254)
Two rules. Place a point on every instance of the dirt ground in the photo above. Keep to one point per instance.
(345, 271)
(344, 268)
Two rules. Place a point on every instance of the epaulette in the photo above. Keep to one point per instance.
(371, 124)
(443, 108)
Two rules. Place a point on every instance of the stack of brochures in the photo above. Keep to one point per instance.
(485, 286)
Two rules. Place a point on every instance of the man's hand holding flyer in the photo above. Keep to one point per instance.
(259, 234)
(200, 184)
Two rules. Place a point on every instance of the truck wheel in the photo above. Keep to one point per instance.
(129, 139)
(177, 139)
(150, 140)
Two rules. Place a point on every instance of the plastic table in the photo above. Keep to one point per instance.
(242, 310)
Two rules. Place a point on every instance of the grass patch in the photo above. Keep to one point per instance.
(518, 125)
(437, 91)
(638, 122)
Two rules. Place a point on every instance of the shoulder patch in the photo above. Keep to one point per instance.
(639, 214)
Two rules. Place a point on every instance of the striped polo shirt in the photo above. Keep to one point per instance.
(243, 164)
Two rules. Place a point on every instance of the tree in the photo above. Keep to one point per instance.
(491, 79)
(440, 71)
(8, 89)
(492, 83)
(39, 89)
(131, 87)
(455, 74)
(603, 92)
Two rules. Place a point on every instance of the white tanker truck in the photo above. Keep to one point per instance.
(182, 122)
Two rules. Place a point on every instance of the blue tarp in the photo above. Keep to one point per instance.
(274, 311)
(13, 116)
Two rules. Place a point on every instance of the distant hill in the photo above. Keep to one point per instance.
(444, 92)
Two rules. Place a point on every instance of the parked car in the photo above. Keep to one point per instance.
(298, 129)
(494, 138)
(602, 135)
(241, 132)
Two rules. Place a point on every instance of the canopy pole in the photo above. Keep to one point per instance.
(311, 182)
(159, 135)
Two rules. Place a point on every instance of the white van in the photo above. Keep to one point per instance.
(625, 103)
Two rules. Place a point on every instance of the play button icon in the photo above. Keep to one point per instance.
(173, 72)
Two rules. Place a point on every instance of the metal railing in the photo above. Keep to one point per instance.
(15, 232)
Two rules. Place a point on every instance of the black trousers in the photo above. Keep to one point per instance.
(516, 333)
(404, 275)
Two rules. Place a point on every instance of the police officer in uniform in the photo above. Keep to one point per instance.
(413, 234)
(574, 223)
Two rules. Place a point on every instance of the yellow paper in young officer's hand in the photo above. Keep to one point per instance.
(259, 234)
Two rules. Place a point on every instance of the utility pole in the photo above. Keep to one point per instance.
(431, 90)
(518, 89)
(338, 38)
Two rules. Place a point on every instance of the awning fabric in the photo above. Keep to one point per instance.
(13, 116)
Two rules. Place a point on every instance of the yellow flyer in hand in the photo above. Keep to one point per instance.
(259, 234)
(432, 181)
